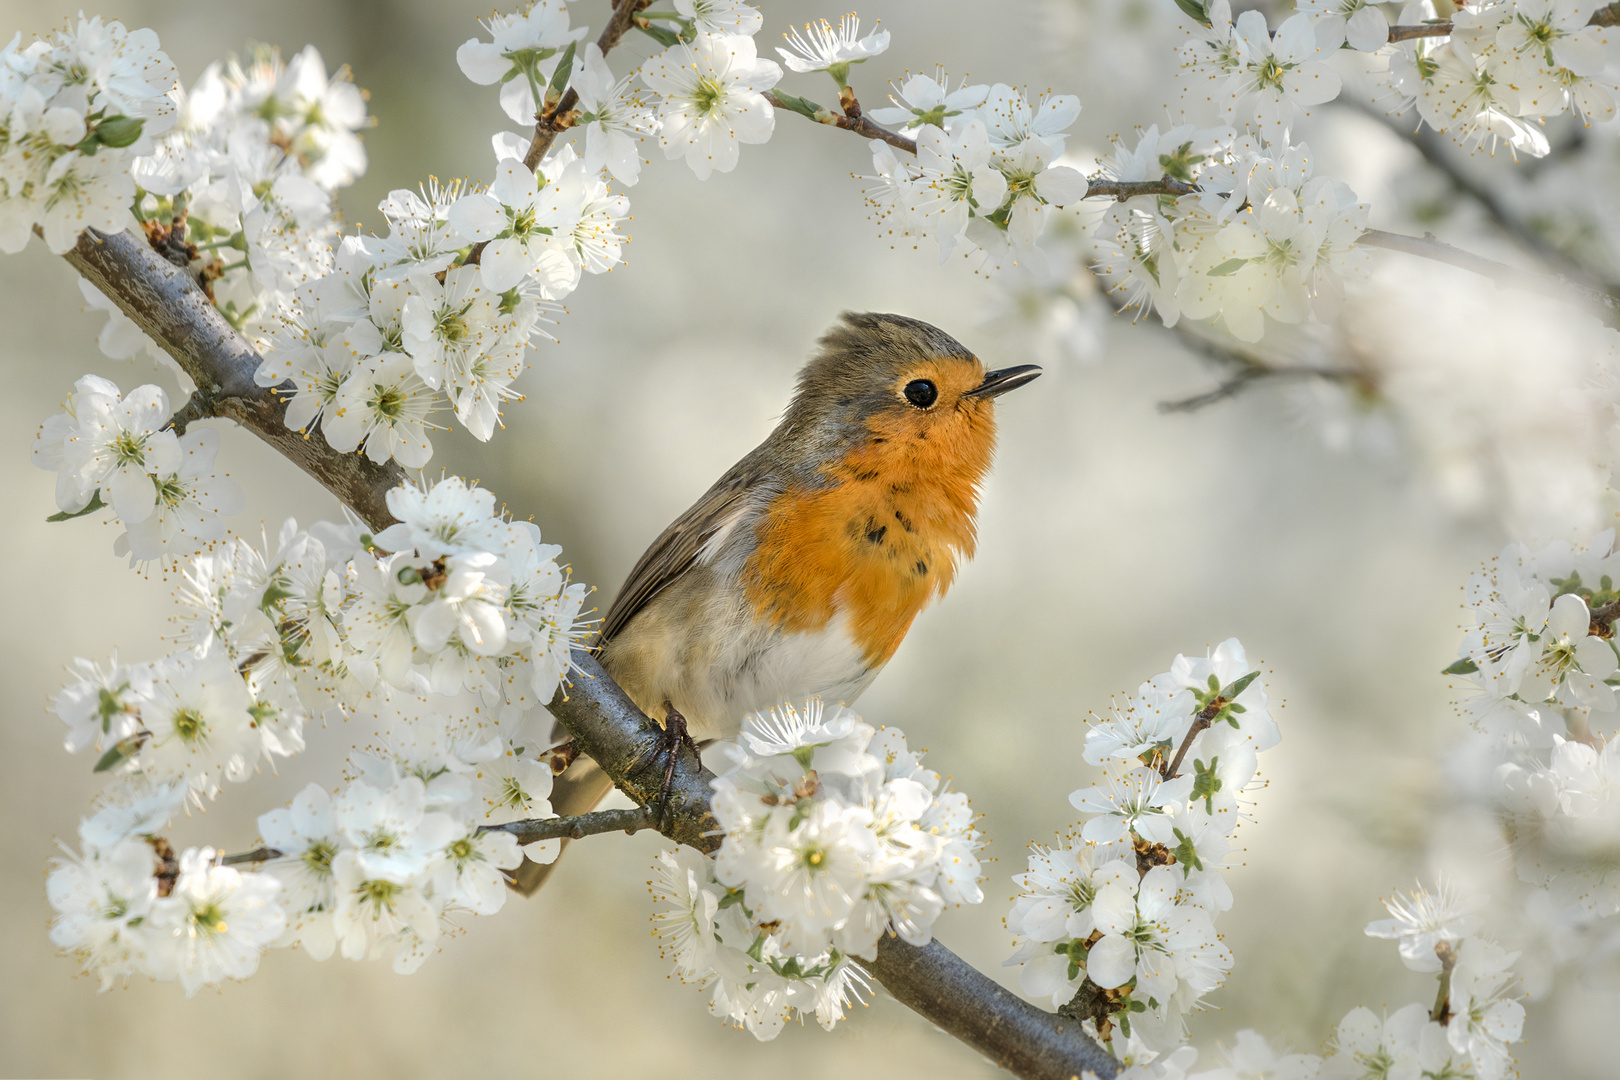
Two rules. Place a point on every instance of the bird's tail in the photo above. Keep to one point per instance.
(576, 791)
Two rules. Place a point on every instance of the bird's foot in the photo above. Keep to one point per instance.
(675, 737)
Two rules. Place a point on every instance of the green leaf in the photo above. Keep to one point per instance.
(1206, 783)
(1236, 689)
(1464, 666)
(1195, 9)
(1186, 854)
(91, 507)
(119, 131)
(118, 752)
(565, 68)
(1229, 267)
(664, 37)
(802, 106)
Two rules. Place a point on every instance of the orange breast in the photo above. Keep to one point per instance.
(884, 540)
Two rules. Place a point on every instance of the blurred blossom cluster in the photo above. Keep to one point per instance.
(835, 835)
(446, 631)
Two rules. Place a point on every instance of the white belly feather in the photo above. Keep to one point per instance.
(768, 668)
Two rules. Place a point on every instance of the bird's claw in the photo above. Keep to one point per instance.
(675, 736)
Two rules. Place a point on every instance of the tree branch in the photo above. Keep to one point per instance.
(1250, 373)
(553, 122)
(1604, 16)
(1436, 152)
(1025, 1040)
(604, 723)
(550, 123)
(1607, 306)
(853, 119)
(633, 820)
(527, 831)
(1250, 366)
(164, 301)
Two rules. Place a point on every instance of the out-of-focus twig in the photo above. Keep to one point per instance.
(1437, 153)
(1603, 16)
(1605, 305)
(853, 119)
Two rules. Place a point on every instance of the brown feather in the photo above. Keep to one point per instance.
(676, 549)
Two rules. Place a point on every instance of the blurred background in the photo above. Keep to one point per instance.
(1329, 525)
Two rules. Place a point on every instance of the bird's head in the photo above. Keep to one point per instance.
(888, 386)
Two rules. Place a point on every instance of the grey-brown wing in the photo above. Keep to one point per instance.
(675, 552)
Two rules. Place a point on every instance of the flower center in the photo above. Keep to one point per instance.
(318, 857)
(1270, 73)
(210, 919)
(129, 449)
(378, 893)
(512, 793)
(452, 324)
(190, 726)
(381, 841)
(171, 490)
(388, 402)
(707, 95)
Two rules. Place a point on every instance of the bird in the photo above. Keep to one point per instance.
(800, 571)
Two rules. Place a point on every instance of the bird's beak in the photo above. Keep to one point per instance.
(999, 382)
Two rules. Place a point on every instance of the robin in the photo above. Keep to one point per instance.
(799, 572)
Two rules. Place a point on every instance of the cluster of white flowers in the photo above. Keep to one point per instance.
(126, 905)
(375, 348)
(835, 835)
(1127, 904)
(1255, 234)
(446, 632)
(241, 188)
(75, 109)
(383, 867)
(1505, 69)
(1263, 236)
(113, 449)
(1539, 666)
(1478, 1016)
(985, 176)
(1403, 1043)
(1537, 677)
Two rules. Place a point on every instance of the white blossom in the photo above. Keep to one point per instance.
(215, 924)
(1422, 920)
(711, 98)
(824, 47)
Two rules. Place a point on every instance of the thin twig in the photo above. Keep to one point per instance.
(1604, 16)
(580, 826)
(1204, 718)
(1428, 247)
(257, 855)
(1436, 152)
(853, 119)
(1248, 376)
(528, 831)
(1250, 366)
(554, 121)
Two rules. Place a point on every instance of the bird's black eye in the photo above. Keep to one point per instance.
(921, 392)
